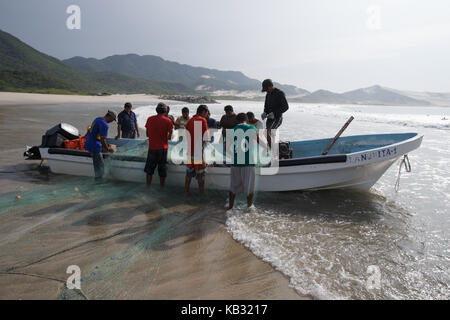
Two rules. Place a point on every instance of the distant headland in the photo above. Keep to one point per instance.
(189, 99)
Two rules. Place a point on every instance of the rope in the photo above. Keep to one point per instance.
(405, 162)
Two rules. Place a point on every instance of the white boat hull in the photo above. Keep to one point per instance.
(361, 170)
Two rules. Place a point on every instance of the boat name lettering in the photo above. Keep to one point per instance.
(388, 152)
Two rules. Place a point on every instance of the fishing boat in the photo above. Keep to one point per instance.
(352, 162)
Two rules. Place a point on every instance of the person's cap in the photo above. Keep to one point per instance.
(127, 105)
(266, 84)
(112, 114)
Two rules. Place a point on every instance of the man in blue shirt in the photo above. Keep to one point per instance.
(127, 123)
(96, 139)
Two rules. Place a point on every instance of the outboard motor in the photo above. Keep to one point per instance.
(32, 153)
(54, 137)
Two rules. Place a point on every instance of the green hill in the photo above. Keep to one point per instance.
(22, 68)
(21, 80)
(154, 68)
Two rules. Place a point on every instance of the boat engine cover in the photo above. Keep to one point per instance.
(64, 129)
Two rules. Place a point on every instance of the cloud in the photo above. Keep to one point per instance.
(372, 45)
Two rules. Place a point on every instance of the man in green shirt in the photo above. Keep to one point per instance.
(245, 150)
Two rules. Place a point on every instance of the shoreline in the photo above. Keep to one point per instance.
(9, 99)
(34, 99)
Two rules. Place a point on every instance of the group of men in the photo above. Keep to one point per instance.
(159, 130)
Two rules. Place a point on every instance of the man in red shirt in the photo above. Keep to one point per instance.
(159, 131)
(196, 165)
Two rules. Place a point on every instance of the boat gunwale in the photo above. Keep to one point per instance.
(335, 159)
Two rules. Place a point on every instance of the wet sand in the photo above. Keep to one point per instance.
(129, 243)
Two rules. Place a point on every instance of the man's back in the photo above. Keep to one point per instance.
(158, 128)
(228, 121)
(250, 153)
(276, 102)
(190, 127)
(98, 128)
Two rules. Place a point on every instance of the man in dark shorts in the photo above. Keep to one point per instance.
(196, 168)
(127, 123)
(274, 107)
(159, 131)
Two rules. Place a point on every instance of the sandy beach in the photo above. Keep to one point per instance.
(129, 243)
(21, 99)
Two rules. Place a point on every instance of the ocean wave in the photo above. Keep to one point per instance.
(399, 118)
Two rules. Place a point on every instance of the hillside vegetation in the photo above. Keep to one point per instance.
(22, 68)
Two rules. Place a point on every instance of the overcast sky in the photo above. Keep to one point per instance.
(337, 45)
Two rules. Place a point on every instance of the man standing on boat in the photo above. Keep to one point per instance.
(127, 123)
(274, 107)
(159, 131)
(96, 139)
